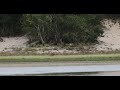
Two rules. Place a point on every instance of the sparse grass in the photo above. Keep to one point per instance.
(55, 58)
(30, 49)
(17, 49)
(45, 49)
(55, 48)
(69, 48)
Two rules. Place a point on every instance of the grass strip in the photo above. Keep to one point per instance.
(55, 58)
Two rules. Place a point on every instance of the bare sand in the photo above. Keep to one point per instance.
(111, 37)
(13, 42)
(68, 63)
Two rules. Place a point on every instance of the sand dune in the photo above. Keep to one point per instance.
(12, 42)
(111, 39)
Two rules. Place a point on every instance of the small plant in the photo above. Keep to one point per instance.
(69, 48)
(46, 45)
(71, 45)
(45, 49)
(55, 48)
(18, 49)
(30, 49)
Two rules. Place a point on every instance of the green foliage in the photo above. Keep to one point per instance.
(62, 28)
(10, 24)
(55, 29)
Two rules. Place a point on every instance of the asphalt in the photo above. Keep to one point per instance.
(9, 71)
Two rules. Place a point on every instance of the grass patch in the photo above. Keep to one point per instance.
(55, 58)
(30, 49)
(17, 49)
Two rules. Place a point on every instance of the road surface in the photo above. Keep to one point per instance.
(56, 69)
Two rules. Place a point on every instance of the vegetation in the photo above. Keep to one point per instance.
(54, 29)
(46, 58)
(62, 28)
(10, 25)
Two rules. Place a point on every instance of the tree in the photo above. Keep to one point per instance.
(62, 28)
(10, 24)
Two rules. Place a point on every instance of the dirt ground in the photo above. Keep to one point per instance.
(44, 64)
(11, 43)
(111, 37)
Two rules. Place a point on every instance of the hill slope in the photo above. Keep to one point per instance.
(111, 37)
(12, 42)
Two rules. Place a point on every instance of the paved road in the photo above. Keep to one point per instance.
(56, 69)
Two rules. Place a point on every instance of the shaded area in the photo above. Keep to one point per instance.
(115, 73)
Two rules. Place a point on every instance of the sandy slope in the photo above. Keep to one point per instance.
(111, 39)
(13, 42)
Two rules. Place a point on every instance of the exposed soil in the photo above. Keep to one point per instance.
(68, 63)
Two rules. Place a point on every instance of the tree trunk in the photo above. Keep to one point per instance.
(1, 40)
(3, 30)
(40, 35)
